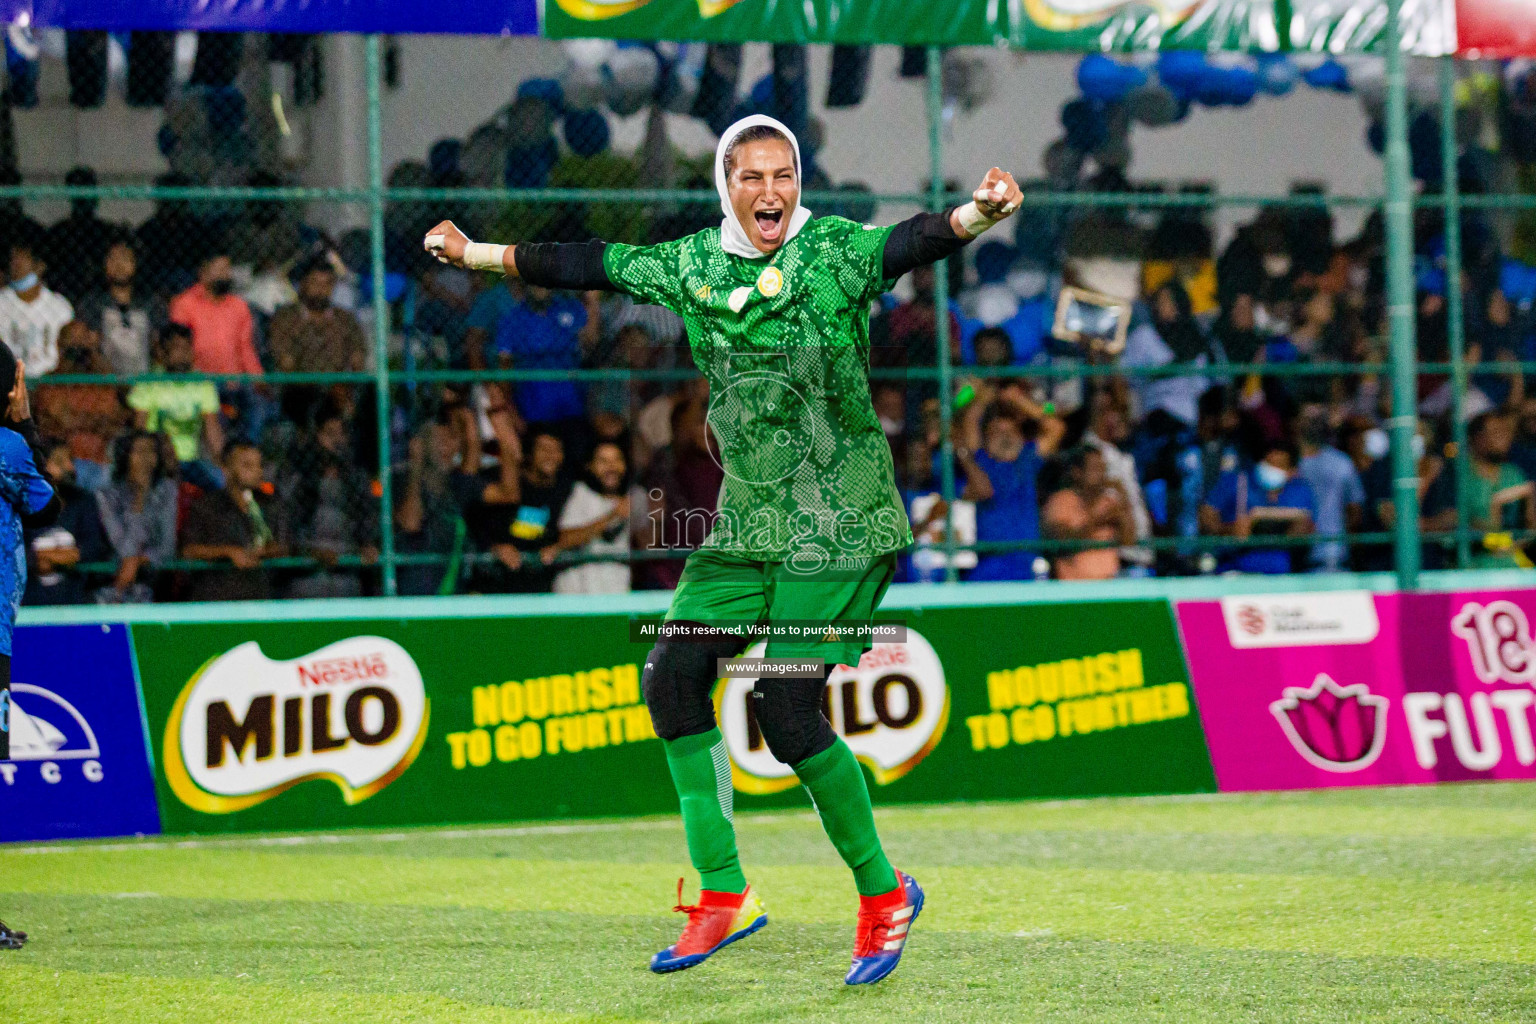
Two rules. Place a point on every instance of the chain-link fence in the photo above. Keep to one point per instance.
(254, 383)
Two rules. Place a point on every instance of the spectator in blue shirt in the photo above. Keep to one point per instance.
(1335, 485)
(546, 331)
(484, 316)
(1209, 453)
(1266, 499)
(1002, 463)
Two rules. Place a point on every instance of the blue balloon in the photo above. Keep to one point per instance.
(1181, 70)
(1277, 73)
(1242, 86)
(1108, 81)
(529, 166)
(762, 92)
(586, 132)
(546, 89)
(1086, 124)
(1211, 88)
(1330, 74)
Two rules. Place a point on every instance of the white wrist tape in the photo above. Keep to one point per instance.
(972, 221)
(485, 256)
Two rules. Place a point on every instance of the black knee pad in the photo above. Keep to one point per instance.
(790, 718)
(678, 677)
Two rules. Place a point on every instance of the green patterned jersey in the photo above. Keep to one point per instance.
(784, 344)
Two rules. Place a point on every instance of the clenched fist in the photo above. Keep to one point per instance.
(447, 243)
(998, 196)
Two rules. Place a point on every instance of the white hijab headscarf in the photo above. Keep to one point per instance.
(733, 236)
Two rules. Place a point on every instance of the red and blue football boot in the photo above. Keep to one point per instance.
(884, 924)
(716, 921)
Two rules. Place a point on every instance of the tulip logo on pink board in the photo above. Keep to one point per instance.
(1335, 728)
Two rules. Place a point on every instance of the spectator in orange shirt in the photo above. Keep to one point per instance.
(223, 339)
(87, 416)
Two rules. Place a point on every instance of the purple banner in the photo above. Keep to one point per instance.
(502, 17)
(1306, 691)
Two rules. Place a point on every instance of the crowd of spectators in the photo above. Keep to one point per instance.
(1207, 435)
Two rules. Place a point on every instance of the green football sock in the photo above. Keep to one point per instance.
(701, 772)
(836, 784)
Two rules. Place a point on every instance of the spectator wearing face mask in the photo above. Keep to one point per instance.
(224, 340)
(1266, 499)
(126, 316)
(1437, 499)
(31, 314)
(1335, 485)
(223, 330)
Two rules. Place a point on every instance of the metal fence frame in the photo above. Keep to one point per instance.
(1398, 201)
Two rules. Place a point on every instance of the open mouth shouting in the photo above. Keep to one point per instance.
(770, 224)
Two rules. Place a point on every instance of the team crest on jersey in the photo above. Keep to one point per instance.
(770, 282)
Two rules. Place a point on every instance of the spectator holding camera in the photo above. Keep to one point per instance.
(1265, 499)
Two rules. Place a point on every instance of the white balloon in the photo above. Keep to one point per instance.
(630, 75)
(583, 85)
(589, 53)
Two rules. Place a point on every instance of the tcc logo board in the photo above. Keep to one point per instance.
(79, 765)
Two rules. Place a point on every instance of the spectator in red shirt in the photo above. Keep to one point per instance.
(223, 339)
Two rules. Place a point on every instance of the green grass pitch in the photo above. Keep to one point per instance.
(1363, 905)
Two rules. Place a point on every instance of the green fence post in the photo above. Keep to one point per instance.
(380, 318)
(1400, 312)
(1451, 198)
(941, 309)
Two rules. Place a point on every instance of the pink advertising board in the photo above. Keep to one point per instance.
(1346, 688)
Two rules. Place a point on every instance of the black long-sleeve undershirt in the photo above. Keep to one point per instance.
(918, 241)
(915, 242)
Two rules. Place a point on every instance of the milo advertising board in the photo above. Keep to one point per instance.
(328, 724)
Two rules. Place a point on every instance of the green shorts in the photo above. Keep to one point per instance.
(736, 593)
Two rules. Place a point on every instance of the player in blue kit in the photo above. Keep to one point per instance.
(26, 498)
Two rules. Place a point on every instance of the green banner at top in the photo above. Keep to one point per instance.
(1323, 26)
(957, 22)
